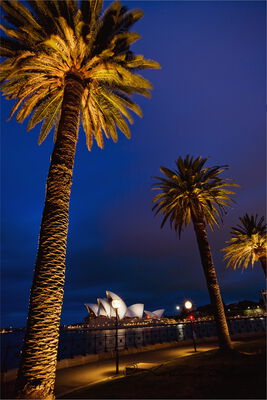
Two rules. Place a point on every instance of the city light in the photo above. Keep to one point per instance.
(188, 304)
(115, 303)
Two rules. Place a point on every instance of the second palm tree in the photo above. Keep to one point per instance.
(197, 193)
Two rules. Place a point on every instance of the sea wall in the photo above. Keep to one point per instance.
(86, 345)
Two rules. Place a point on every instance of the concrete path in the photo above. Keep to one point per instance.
(74, 378)
(77, 377)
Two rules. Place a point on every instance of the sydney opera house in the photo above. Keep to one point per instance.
(103, 313)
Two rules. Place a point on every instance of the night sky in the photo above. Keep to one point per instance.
(208, 100)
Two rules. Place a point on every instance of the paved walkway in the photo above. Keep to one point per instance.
(71, 379)
(74, 378)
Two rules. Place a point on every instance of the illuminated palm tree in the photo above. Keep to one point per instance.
(65, 60)
(197, 193)
(248, 243)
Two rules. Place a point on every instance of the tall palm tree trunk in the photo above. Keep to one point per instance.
(212, 283)
(263, 260)
(36, 375)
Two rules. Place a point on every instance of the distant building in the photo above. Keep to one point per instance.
(103, 310)
(243, 308)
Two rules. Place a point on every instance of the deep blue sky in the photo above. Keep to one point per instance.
(209, 100)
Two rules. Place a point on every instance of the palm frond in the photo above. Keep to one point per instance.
(50, 119)
(45, 108)
(192, 191)
(44, 41)
(247, 244)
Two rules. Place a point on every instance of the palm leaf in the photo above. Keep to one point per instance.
(46, 40)
(191, 190)
(247, 244)
(45, 108)
(50, 120)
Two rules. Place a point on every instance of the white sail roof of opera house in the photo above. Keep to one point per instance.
(92, 308)
(154, 314)
(158, 313)
(149, 314)
(104, 308)
(136, 310)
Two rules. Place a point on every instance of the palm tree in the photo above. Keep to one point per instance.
(197, 193)
(248, 243)
(63, 60)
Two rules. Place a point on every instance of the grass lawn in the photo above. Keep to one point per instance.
(207, 375)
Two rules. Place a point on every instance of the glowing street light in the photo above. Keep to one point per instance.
(188, 305)
(177, 308)
(116, 304)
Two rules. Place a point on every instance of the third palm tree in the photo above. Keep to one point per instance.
(247, 244)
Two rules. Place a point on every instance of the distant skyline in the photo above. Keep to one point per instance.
(209, 99)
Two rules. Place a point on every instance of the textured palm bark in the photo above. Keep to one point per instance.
(36, 375)
(263, 264)
(212, 283)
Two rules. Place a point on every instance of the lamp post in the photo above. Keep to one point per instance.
(188, 306)
(178, 311)
(115, 304)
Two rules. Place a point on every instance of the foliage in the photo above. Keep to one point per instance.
(65, 61)
(248, 243)
(50, 39)
(197, 193)
(192, 189)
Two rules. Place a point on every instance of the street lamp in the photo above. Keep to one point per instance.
(178, 310)
(116, 304)
(188, 306)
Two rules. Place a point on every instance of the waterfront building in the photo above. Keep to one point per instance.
(102, 313)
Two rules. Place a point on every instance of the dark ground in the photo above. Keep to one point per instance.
(207, 375)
